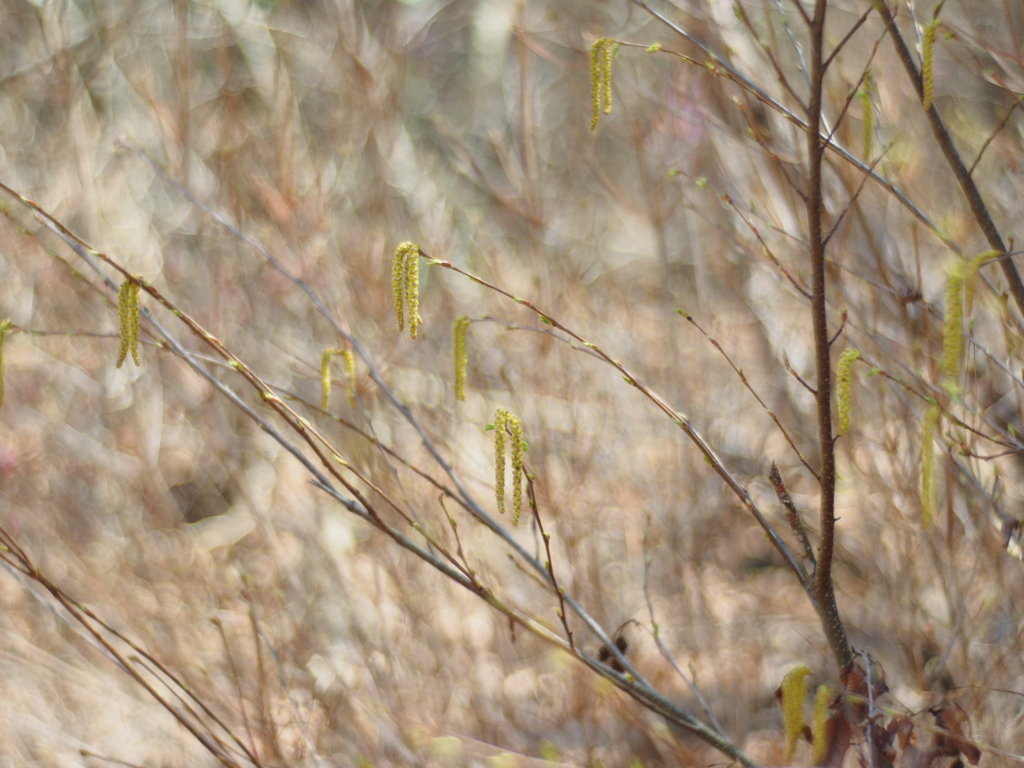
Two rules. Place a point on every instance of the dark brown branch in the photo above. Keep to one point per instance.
(828, 611)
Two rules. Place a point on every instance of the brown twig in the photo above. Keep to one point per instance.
(531, 496)
(1002, 124)
(795, 375)
(792, 514)
(768, 251)
(846, 38)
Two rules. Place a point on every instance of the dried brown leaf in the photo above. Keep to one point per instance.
(838, 735)
(952, 718)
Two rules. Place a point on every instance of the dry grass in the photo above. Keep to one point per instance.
(329, 133)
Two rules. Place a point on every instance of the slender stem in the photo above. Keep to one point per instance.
(823, 589)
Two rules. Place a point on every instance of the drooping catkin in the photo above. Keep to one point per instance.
(516, 436)
(412, 290)
(843, 387)
(128, 314)
(927, 54)
(398, 282)
(461, 356)
(508, 426)
(5, 328)
(325, 378)
(405, 286)
(867, 115)
(953, 327)
(971, 268)
(500, 417)
(350, 374)
(595, 82)
(929, 428)
(819, 724)
(601, 53)
(606, 75)
(793, 708)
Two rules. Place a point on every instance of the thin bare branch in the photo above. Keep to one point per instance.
(746, 383)
(956, 164)
(846, 38)
(1002, 124)
(680, 420)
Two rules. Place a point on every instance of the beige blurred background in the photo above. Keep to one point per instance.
(329, 132)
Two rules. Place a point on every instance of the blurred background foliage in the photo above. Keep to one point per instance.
(332, 131)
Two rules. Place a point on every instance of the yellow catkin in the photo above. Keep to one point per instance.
(398, 281)
(793, 708)
(953, 328)
(970, 279)
(500, 417)
(405, 286)
(461, 356)
(927, 51)
(843, 387)
(601, 53)
(595, 82)
(867, 115)
(128, 314)
(819, 724)
(412, 289)
(606, 74)
(929, 427)
(325, 378)
(350, 374)
(5, 328)
(516, 430)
